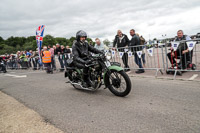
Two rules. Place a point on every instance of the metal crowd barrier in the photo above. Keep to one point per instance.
(179, 61)
(151, 56)
(32, 63)
(157, 57)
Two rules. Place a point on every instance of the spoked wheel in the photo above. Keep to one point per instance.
(118, 83)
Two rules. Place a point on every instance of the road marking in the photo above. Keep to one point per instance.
(193, 77)
(16, 76)
(128, 72)
(12, 72)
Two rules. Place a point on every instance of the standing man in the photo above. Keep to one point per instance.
(28, 56)
(67, 54)
(46, 59)
(135, 43)
(142, 42)
(122, 41)
(99, 45)
(60, 56)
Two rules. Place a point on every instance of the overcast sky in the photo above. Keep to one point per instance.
(99, 18)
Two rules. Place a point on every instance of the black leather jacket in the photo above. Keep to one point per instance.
(80, 51)
(123, 43)
(183, 45)
(135, 41)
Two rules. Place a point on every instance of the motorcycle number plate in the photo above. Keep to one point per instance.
(107, 63)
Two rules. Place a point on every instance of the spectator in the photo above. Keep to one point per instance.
(54, 47)
(23, 60)
(135, 43)
(35, 60)
(142, 42)
(67, 54)
(61, 60)
(29, 56)
(60, 56)
(18, 59)
(46, 59)
(13, 61)
(58, 49)
(53, 65)
(182, 51)
(99, 45)
(121, 40)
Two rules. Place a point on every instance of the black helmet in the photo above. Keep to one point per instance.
(79, 34)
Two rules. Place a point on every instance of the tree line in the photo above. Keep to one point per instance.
(14, 44)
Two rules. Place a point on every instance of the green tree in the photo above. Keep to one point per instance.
(31, 38)
(106, 42)
(14, 41)
(1, 40)
(8, 49)
(61, 40)
(70, 41)
(48, 40)
(30, 46)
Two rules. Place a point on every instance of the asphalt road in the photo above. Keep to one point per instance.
(153, 106)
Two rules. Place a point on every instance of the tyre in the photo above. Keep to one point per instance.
(194, 67)
(118, 83)
(167, 72)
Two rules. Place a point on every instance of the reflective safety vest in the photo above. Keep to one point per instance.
(46, 57)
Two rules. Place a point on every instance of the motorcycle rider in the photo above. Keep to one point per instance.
(80, 50)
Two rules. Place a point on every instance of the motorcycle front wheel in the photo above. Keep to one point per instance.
(118, 83)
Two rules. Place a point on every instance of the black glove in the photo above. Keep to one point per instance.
(88, 62)
(102, 52)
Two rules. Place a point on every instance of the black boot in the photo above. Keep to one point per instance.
(127, 68)
(86, 81)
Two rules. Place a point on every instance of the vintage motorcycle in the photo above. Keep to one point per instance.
(101, 72)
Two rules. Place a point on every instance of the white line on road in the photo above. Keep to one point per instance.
(16, 76)
(193, 77)
(12, 72)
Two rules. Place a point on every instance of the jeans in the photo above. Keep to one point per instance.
(29, 62)
(35, 63)
(138, 60)
(125, 60)
(53, 62)
(143, 59)
(61, 62)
